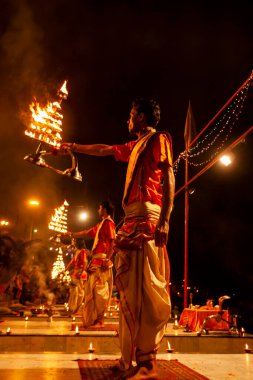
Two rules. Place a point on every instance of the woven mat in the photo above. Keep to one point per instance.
(167, 370)
(106, 327)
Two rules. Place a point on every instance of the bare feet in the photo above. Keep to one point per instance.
(145, 370)
(120, 372)
(144, 374)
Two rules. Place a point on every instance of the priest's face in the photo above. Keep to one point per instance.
(101, 211)
(135, 121)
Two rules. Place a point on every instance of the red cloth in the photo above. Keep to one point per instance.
(147, 187)
(106, 234)
(78, 263)
(80, 259)
(195, 318)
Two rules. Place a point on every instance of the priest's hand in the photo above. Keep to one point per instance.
(161, 233)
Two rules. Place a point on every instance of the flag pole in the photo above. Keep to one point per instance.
(190, 139)
(189, 134)
(186, 231)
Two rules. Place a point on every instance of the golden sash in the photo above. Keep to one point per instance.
(95, 243)
(138, 149)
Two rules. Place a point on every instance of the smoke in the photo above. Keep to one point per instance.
(22, 52)
(23, 60)
(21, 66)
(42, 293)
(38, 257)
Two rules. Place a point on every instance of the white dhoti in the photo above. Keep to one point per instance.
(142, 282)
(76, 295)
(98, 291)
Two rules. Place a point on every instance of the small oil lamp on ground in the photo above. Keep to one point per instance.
(169, 348)
(8, 331)
(175, 326)
(77, 330)
(247, 349)
(73, 324)
(91, 349)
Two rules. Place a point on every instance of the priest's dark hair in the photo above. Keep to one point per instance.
(150, 108)
(109, 207)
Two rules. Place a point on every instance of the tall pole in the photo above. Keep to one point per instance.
(189, 141)
(189, 134)
(186, 232)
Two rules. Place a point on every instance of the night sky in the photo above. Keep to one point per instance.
(111, 52)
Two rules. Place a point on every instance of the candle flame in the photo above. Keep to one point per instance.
(169, 346)
(246, 347)
(91, 347)
(77, 329)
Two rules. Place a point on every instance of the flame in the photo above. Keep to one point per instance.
(46, 122)
(64, 88)
(58, 221)
(77, 329)
(58, 271)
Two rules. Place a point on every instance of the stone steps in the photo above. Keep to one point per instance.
(38, 335)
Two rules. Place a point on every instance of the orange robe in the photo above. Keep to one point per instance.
(99, 284)
(78, 278)
(141, 267)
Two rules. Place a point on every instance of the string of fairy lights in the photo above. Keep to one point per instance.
(216, 137)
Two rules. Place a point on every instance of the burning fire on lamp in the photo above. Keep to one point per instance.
(169, 348)
(8, 331)
(46, 127)
(91, 349)
(247, 349)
